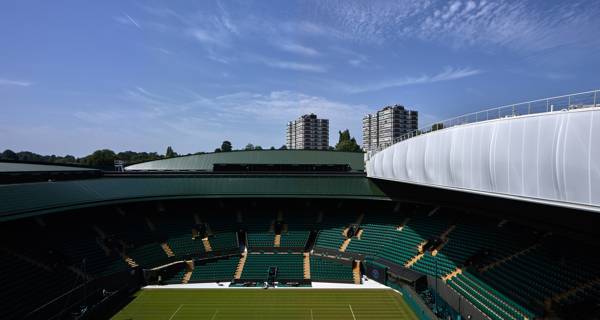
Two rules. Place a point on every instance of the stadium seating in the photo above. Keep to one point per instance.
(26, 286)
(521, 273)
(330, 230)
(496, 305)
(294, 239)
(290, 266)
(330, 270)
(178, 235)
(223, 241)
(214, 270)
(177, 278)
(148, 255)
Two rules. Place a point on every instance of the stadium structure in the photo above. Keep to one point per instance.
(495, 218)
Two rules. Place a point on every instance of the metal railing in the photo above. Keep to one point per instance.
(588, 99)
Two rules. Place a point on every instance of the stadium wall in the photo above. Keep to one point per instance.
(548, 158)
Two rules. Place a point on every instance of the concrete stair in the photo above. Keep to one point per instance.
(186, 277)
(573, 291)
(356, 272)
(320, 217)
(207, 246)
(130, 261)
(413, 260)
(79, 272)
(240, 266)
(103, 246)
(508, 258)
(99, 231)
(189, 266)
(306, 266)
(272, 226)
(445, 234)
(26, 259)
(360, 219)
(404, 223)
(359, 234)
(345, 232)
(168, 251)
(452, 274)
(277, 241)
(344, 245)
(150, 224)
(444, 237)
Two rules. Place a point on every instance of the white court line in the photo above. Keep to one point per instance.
(214, 314)
(176, 311)
(352, 312)
(311, 315)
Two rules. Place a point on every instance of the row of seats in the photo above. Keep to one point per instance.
(330, 270)
(26, 286)
(215, 270)
(290, 266)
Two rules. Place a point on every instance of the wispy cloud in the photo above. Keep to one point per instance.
(299, 49)
(208, 37)
(194, 122)
(133, 21)
(19, 83)
(128, 20)
(295, 66)
(449, 73)
(518, 25)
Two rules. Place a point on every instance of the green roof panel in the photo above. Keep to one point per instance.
(33, 198)
(205, 162)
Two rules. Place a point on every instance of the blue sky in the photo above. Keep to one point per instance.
(76, 76)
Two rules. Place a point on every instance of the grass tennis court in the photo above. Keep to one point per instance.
(310, 304)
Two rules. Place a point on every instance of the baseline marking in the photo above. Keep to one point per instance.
(214, 314)
(176, 311)
(352, 312)
(311, 315)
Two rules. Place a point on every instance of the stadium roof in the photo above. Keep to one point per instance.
(205, 162)
(25, 199)
(14, 167)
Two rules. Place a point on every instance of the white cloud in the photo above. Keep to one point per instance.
(128, 20)
(197, 122)
(447, 74)
(299, 49)
(208, 37)
(19, 83)
(295, 66)
(519, 25)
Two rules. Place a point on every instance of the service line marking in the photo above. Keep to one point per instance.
(214, 314)
(176, 312)
(311, 315)
(353, 317)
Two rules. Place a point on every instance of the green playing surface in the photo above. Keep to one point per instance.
(309, 304)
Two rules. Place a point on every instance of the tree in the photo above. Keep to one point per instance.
(272, 148)
(258, 148)
(104, 158)
(437, 126)
(347, 143)
(9, 155)
(170, 153)
(283, 147)
(217, 150)
(226, 146)
(249, 146)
